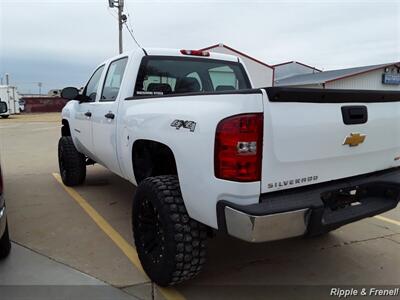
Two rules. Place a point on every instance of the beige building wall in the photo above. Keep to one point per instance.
(366, 81)
(260, 75)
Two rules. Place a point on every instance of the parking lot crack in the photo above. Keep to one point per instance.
(392, 240)
(62, 263)
(257, 262)
(134, 285)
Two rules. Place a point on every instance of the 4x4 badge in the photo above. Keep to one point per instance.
(354, 139)
(185, 124)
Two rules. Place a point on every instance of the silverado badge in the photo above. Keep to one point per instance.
(354, 139)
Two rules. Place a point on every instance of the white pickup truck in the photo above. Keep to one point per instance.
(209, 152)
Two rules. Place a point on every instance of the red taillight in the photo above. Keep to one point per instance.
(195, 52)
(238, 148)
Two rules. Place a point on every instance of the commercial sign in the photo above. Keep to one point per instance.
(391, 79)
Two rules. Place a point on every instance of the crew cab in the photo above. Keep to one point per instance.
(208, 152)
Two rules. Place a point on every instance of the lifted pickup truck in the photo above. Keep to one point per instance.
(209, 152)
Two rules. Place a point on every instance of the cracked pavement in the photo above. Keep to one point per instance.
(45, 219)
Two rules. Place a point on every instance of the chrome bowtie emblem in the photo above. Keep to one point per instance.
(354, 139)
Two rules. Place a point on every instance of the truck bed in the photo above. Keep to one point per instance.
(313, 135)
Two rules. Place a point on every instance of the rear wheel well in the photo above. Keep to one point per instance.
(150, 158)
(65, 130)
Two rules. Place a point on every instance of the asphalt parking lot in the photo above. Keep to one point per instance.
(88, 229)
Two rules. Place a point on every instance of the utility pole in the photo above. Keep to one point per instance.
(120, 23)
(121, 19)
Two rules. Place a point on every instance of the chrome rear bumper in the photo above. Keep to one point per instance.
(266, 228)
(311, 210)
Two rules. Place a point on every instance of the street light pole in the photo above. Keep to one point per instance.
(120, 23)
(120, 5)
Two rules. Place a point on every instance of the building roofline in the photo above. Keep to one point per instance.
(297, 62)
(211, 47)
(238, 52)
(284, 63)
(340, 77)
(397, 64)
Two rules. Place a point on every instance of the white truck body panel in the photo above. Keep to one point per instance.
(150, 119)
(301, 140)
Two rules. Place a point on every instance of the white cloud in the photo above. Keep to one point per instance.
(60, 41)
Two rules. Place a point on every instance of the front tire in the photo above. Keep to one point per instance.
(171, 246)
(5, 244)
(71, 162)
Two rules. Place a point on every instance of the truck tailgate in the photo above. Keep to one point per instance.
(313, 136)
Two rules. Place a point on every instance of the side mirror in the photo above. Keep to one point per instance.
(3, 107)
(70, 93)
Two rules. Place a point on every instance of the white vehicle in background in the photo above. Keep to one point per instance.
(209, 152)
(22, 105)
(10, 96)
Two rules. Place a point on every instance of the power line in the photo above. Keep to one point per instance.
(132, 35)
(130, 27)
(129, 16)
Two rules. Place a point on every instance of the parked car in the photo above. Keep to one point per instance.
(5, 244)
(209, 152)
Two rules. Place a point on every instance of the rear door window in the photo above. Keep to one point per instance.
(113, 79)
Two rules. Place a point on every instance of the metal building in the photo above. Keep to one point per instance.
(293, 73)
(261, 74)
(293, 68)
(375, 77)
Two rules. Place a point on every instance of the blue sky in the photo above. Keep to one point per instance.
(59, 42)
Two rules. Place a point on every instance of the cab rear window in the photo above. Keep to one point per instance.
(160, 75)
